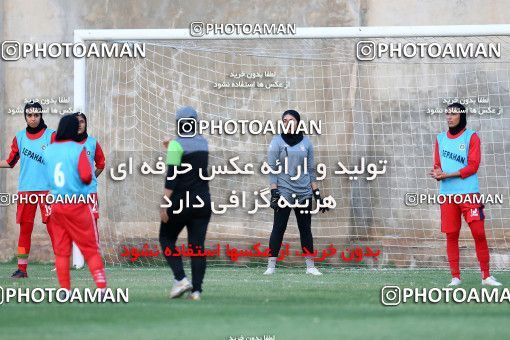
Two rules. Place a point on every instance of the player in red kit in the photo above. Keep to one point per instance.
(97, 159)
(69, 171)
(456, 160)
(28, 147)
(96, 156)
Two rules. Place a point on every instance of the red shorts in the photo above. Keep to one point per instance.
(26, 211)
(451, 214)
(95, 206)
(73, 223)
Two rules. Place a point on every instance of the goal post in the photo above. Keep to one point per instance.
(381, 108)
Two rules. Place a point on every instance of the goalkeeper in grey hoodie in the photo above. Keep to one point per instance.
(295, 148)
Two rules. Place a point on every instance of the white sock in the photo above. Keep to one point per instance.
(309, 262)
(271, 262)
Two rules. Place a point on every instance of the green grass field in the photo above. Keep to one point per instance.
(241, 301)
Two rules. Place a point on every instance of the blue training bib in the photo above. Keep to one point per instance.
(453, 154)
(62, 169)
(32, 163)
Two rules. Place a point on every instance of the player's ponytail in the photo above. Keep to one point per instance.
(67, 128)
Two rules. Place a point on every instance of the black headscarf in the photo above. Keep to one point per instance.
(67, 128)
(34, 105)
(292, 138)
(463, 122)
(82, 136)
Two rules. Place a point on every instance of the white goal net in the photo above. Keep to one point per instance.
(389, 108)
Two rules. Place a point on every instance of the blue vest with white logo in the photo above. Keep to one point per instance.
(453, 154)
(32, 163)
(90, 146)
(62, 169)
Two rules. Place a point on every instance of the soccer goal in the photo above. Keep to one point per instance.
(380, 93)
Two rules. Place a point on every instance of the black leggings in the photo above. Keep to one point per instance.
(304, 222)
(197, 229)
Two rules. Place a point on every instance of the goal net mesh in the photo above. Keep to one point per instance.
(384, 109)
